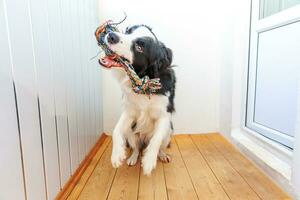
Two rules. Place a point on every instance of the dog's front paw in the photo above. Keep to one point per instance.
(118, 156)
(149, 162)
(163, 157)
(133, 158)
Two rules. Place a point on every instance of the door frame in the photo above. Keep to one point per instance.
(258, 26)
(242, 135)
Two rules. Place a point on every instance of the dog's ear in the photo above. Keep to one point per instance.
(169, 56)
(163, 59)
(155, 67)
(160, 58)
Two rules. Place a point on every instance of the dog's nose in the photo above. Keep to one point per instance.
(112, 38)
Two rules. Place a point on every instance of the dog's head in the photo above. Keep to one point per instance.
(147, 55)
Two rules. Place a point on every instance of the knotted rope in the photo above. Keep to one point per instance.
(143, 85)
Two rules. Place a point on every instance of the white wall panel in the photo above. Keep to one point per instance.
(24, 73)
(84, 70)
(99, 102)
(10, 154)
(55, 29)
(45, 84)
(70, 63)
(51, 117)
(79, 80)
(92, 20)
(98, 82)
(89, 31)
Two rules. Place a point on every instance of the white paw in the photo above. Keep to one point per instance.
(132, 159)
(165, 158)
(149, 162)
(118, 156)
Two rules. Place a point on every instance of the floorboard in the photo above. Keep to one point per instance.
(205, 167)
(235, 186)
(154, 186)
(89, 171)
(259, 182)
(126, 183)
(206, 184)
(99, 184)
(178, 182)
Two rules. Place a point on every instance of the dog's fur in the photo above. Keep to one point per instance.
(145, 122)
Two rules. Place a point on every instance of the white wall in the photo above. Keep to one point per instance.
(234, 56)
(50, 94)
(193, 30)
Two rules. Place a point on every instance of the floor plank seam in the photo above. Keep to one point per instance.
(210, 140)
(210, 167)
(140, 174)
(111, 184)
(93, 169)
(186, 169)
(163, 165)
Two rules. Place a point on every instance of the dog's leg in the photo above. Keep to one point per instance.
(133, 140)
(162, 155)
(123, 127)
(161, 131)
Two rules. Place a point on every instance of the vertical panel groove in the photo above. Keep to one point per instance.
(68, 128)
(42, 145)
(20, 140)
(57, 145)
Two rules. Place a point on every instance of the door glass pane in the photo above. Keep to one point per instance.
(270, 7)
(277, 79)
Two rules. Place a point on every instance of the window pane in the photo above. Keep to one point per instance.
(277, 79)
(270, 7)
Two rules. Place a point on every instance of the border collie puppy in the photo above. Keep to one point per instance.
(145, 123)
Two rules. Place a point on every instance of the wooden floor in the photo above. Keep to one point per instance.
(202, 167)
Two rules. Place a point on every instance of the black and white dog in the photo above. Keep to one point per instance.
(145, 123)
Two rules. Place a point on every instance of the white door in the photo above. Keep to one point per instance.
(274, 68)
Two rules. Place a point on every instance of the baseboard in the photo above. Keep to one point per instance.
(68, 187)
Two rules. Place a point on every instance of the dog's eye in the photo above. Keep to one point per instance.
(138, 48)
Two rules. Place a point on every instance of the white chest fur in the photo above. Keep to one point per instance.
(143, 108)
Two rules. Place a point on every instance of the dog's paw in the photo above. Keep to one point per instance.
(117, 157)
(132, 159)
(149, 163)
(165, 158)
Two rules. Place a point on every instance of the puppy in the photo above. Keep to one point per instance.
(145, 123)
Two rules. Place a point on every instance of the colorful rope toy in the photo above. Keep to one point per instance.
(143, 85)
